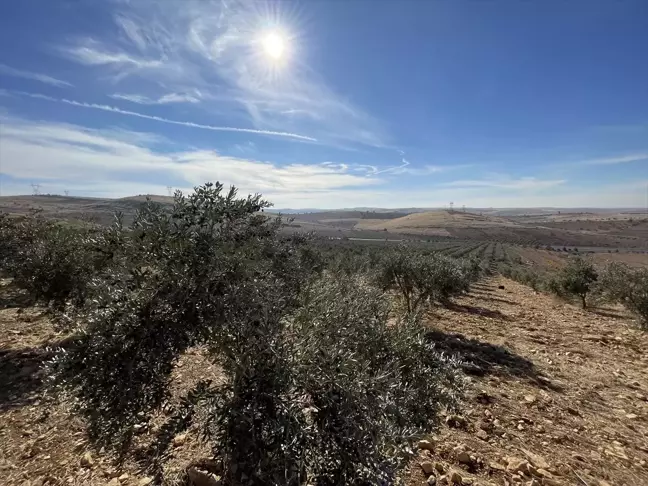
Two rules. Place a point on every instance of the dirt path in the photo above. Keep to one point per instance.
(555, 393)
(547, 379)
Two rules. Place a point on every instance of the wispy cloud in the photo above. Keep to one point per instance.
(64, 154)
(113, 109)
(94, 55)
(43, 78)
(203, 44)
(622, 159)
(162, 100)
(406, 168)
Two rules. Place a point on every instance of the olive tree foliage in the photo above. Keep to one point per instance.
(211, 270)
(627, 286)
(578, 279)
(420, 278)
(318, 386)
(52, 261)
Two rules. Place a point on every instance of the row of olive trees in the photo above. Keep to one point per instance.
(321, 386)
(423, 278)
(615, 283)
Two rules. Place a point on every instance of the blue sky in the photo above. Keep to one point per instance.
(329, 103)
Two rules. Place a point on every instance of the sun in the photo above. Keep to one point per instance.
(274, 45)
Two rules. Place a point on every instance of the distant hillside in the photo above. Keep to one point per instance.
(99, 210)
(433, 222)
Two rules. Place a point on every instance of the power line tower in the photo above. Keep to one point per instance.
(66, 192)
(170, 190)
(451, 207)
(463, 208)
(36, 189)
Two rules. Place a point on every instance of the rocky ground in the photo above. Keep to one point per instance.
(556, 396)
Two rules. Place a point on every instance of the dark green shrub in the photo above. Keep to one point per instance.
(576, 279)
(420, 277)
(53, 262)
(318, 387)
(627, 286)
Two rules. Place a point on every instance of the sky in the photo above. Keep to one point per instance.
(329, 103)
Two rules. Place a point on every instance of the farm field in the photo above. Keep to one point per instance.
(543, 378)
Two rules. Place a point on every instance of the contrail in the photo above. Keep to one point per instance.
(114, 109)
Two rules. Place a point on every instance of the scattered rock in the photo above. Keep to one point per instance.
(114, 482)
(464, 458)
(428, 467)
(518, 466)
(631, 416)
(482, 434)
(145, 481)
(200, 478)
(431, 481)
(87, 460)
(426, 445)
(455, 421)
(454, 477)
(496, 466)
(123, 478)
(536, 460)
(578, 457)
(439, 467)
(530, 399)
(501, 287)
(179, 440)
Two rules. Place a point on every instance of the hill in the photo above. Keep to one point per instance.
(433, 222)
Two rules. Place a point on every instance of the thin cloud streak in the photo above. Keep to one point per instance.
(624, 159)
(162, 100)
(113, 109)
(43, 78)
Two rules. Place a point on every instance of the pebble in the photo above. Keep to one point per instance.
(87, 460)
(428, 467)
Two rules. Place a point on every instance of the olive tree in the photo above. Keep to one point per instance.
(576, 279)
(318, 386)
(627, 286)
(420, 278)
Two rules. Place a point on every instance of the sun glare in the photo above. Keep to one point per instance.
(274, 45)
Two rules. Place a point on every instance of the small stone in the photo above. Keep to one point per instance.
(496, 466)
(530, 399)
(467, 481)
(543, 473)
(426, 445)
(464, 458)
(123, 478)
(454, 477)
(631, 416)
(428, 467)
(439, 467)
(431, 481)
(578, 457)
(537, 460)
(179, 440)
(518, 466)
(114, 482)
(200, 478)
(87, 460)
(455, 421)
(482, 434)
(145, 481)
(520, 427)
